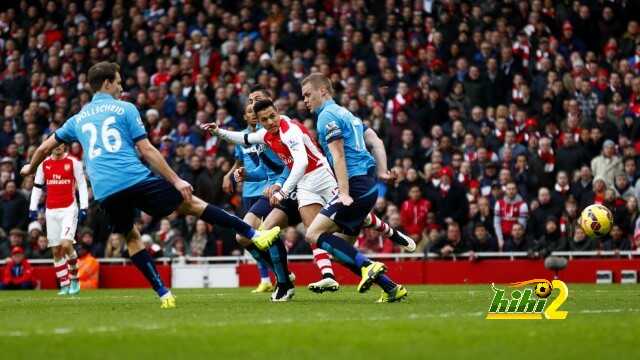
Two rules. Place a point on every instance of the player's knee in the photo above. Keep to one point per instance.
(312, 235)
(243, 241)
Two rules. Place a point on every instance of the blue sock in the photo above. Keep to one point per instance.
(261, 256)
(216, 216)
(263, 270)
(386, 283)
(147, 267)
(279, 257)
(342, 250)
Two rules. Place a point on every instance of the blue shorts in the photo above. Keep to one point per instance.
(257, 205)
(290, 207)
(155, 196)
(364, 192)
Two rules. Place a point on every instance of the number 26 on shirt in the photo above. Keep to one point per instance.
(111, 139)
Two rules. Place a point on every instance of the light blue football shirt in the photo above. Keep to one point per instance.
(334, 123)
(108, 130)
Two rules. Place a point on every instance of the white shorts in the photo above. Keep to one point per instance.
(61, 224)
(316, 187)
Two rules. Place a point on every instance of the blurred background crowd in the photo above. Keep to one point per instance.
(502, 119)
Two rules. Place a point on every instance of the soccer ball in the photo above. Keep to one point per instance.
(596, 220)
(543, 289)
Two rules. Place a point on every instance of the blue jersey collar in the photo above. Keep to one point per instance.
(102, 96)
(324, 105)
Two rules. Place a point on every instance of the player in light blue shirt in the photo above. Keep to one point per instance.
(109, 130)
(341, 135)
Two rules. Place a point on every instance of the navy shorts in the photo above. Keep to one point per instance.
(364, 192)
(290, 207)
(155, 196)
(257, 205)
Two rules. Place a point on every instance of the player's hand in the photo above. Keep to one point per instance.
(26, 170)
(268, 192)
(238, 175)
(82, 215)
(211, 127)
(388, 176)
(33, 215)
(227, 186)
(345, 199)
(185, 189)
(276, 198)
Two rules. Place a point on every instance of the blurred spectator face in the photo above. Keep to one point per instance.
(632, 204)
(415, 193)
(201, 227)
(480, 233)
(609, 196)
(10, 188)
(617, 233)
(630, 167)
(195, 163)
(571, 208)
(407, 137)
(562, 179)
(599, 186)
(544, 197)
(550, 226)
(517, 231)
(511, 190)
(17, 258)
(453, 233)
(608, 150)
(42, 242)
(621, 181)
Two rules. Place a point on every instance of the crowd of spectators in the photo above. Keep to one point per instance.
(501, 119)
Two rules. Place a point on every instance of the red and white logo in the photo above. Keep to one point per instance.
(67, 167)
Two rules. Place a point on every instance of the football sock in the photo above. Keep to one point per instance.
(374, 222)
(62, 271)
(261, 256)
(73, 265)
(386, 283)
(342, 250)
(147, 267)
(279, 257)
(216, 216)
(323, 262)
(264, 273)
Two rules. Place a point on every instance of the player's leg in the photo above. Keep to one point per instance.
(69, 224)
(145, 264)
(348, 219)
(61, 269)
(216, 216)
(285, 289)
(257, 208)
(320, 256)
(54, 230)
(72, 261)
(395, 235)
(120, 208)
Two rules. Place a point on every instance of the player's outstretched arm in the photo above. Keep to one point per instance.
(39, 155)
(379, 153)
(158, 163)
(236, 137)
(336, 148)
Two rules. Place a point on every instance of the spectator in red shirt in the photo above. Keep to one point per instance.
(414, 213)
(17, 274)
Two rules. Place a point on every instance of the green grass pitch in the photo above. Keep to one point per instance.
(436, 322)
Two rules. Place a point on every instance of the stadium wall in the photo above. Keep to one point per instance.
(407, 272)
